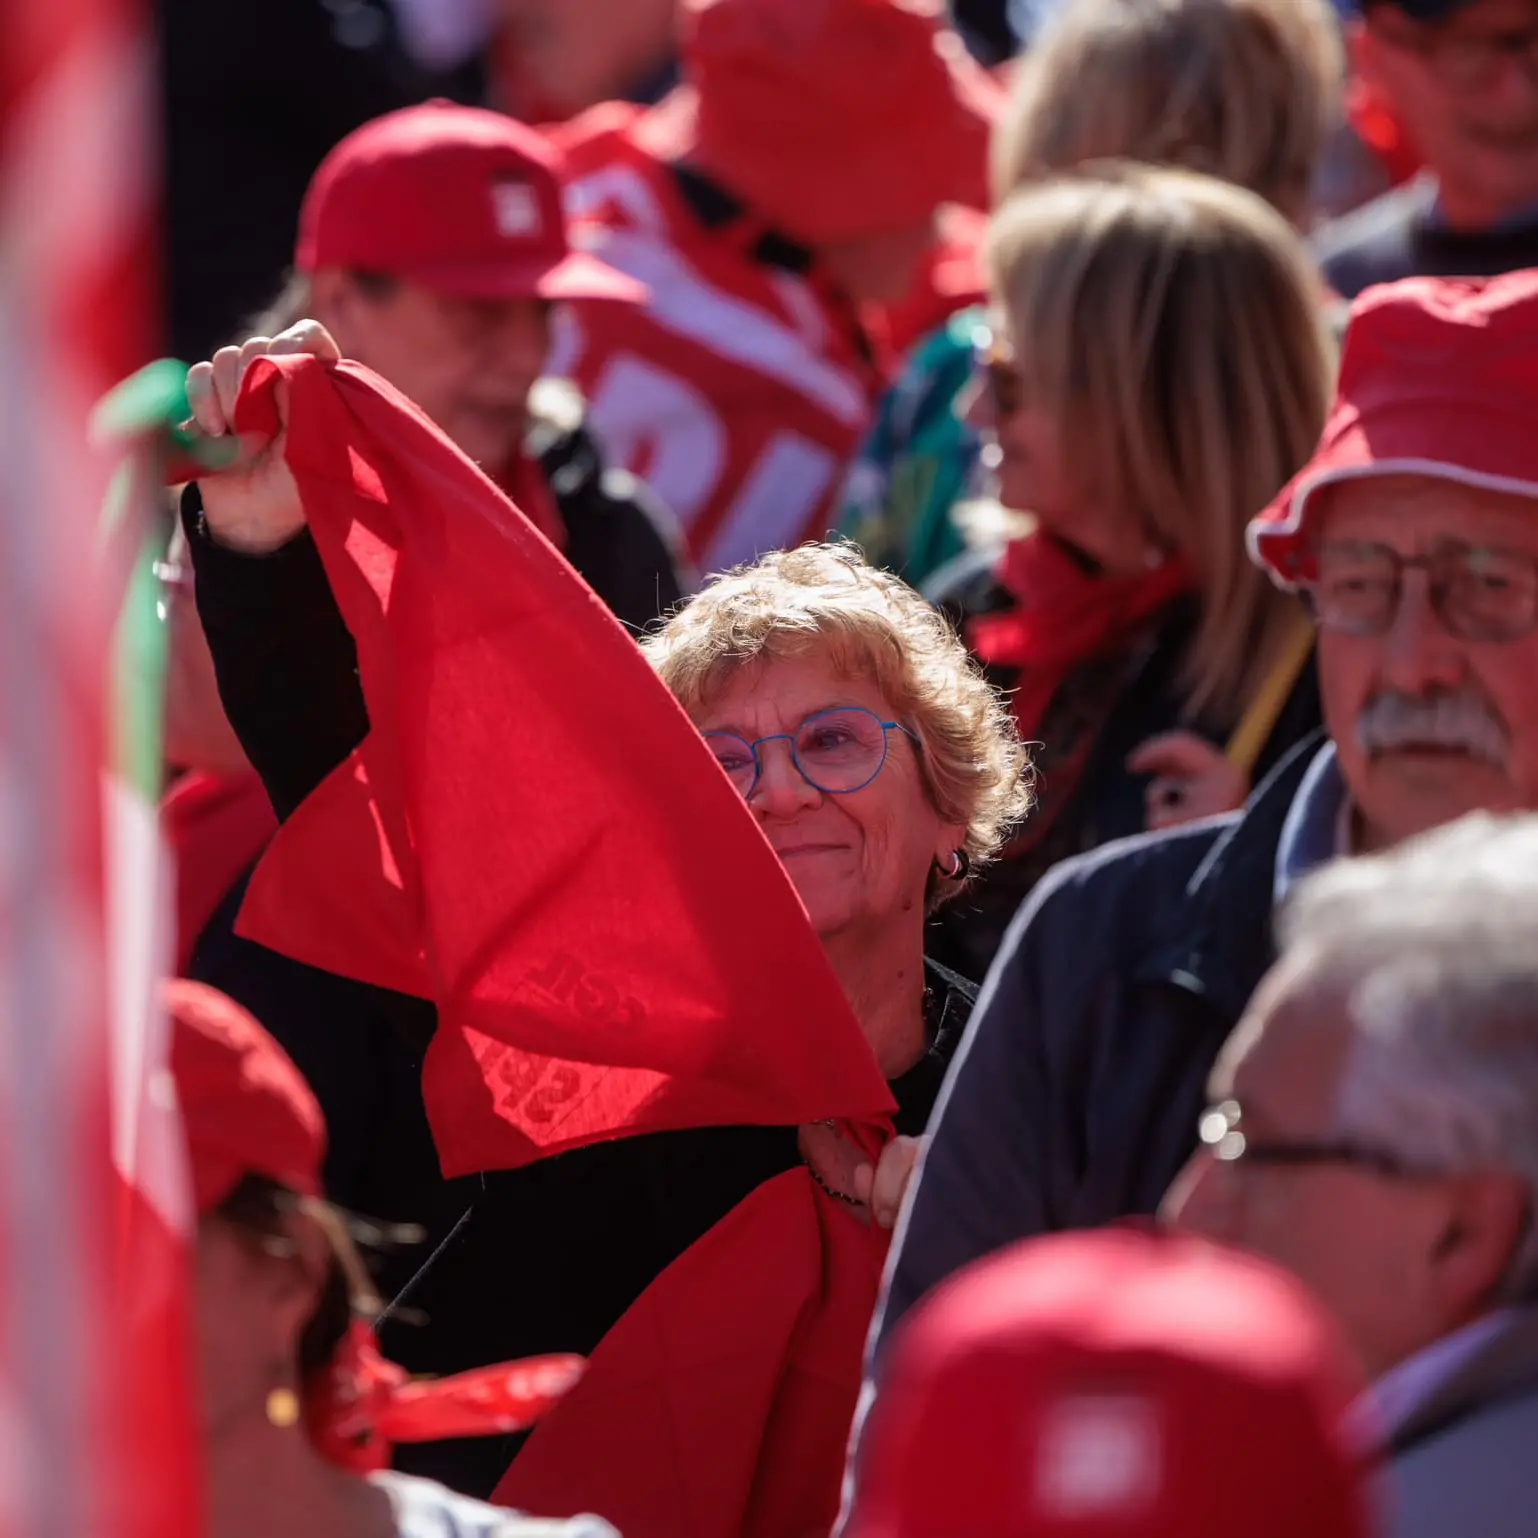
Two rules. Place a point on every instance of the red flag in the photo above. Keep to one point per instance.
(532, 834)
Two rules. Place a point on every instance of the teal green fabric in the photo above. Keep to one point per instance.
(919, 459)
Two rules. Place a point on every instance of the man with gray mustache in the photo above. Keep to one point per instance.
(1412, 537)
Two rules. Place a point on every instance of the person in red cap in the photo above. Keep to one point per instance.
(432, 245)
(1115, 1385)
(1413, 536)
(793, 177)
(295, 1402)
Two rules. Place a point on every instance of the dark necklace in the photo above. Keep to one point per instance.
(838, 1196)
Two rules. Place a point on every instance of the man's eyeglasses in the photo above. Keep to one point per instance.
(836, 751)
(1223, 1137)
(994, 364)
(1464, 61)
(1478, 594)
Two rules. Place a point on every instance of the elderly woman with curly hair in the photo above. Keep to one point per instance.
(880, 766)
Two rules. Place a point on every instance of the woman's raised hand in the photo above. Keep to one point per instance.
(253, 505)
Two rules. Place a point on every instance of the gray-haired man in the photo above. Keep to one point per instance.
(1374, 1127)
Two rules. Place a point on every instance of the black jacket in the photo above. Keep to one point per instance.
(1075, 1097)
(1396, 236)
(1113, 704)
(619, 536)
(515, 1263)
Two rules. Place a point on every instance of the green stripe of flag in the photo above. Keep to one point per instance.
(146, 415)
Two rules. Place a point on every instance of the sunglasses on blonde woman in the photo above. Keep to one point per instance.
(993, 361)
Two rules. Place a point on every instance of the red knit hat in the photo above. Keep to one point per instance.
(245, 1106)
(1438, 377)
(461, 200)
(835, 119)
(1117, 1384)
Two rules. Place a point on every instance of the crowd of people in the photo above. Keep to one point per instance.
(852, 755)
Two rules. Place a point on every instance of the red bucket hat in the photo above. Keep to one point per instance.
(1118, 1384)
(461, 200)
(835, 119)
(1439, 377)
(246, 1108)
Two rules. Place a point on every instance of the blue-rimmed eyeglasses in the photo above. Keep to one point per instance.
(836, 751)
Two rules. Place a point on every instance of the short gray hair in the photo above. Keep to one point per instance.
(1431, 952)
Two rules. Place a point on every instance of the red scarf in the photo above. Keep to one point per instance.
(534, 836)
(720, 1405)
(362, 1405)
(1065, 617)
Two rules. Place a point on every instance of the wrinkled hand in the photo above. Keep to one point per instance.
(253, 505)
(840, 1166)
(884, 1187)
(1192, 779)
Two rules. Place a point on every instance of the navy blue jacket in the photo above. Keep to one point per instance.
(1075, 1095)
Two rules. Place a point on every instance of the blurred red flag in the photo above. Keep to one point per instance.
(532, 835)
(95, 1391)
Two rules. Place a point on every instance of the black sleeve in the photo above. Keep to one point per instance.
(648, 548)
(626, 546)
(285, 661)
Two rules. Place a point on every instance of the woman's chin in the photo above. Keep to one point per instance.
(828, 911)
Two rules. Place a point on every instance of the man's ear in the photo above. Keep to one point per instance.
(335, 301)
(1489, 1217)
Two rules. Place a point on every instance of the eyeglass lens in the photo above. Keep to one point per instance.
(838, 750)
(1478, 594)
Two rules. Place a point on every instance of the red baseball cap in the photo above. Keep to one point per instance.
(838, 118)
(245, 1107)
(464, 201)
(1438, 377)
(1114, 1384)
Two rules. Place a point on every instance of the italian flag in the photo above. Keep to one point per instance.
(94, 1236)
(153, 1220)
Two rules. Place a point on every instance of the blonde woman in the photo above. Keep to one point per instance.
(1159, 369)
(866, 744)
(1244, 90)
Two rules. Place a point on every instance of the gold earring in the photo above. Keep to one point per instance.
(283, 1407)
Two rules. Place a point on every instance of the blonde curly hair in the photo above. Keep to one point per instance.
(974, 768)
